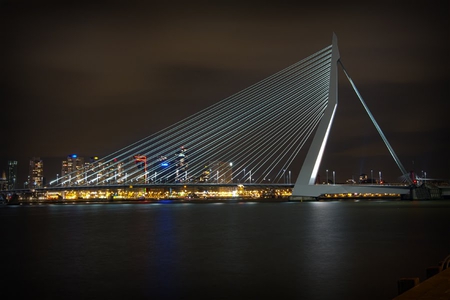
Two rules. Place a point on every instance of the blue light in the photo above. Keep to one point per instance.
(164, 164)
(74, 156)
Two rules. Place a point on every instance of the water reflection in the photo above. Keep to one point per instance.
(316, 250)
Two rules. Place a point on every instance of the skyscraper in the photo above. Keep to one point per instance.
(72, 168)
(181, 164)
(36, 173)
(12, 174)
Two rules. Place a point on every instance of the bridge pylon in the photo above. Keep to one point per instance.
(305, 186)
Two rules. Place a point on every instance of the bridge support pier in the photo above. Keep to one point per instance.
(313, 192)
(302, 198)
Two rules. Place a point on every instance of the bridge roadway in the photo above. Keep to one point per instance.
(168, 185)
(192, 187)
(305, 192)
(330, 189)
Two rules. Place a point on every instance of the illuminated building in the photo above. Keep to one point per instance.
(97, 171)
(163, 169)
(119, 176)
(36, 173)
(100, 171)
(93, 170)
(363, 178)
(204, 177)
(113, 172)
(73, 166)
(181, 166)
(12, 174)
(3, 182)
(220, 172)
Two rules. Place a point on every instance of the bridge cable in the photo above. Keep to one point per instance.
(386, 142)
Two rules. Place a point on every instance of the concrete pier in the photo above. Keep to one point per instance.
(435, 287)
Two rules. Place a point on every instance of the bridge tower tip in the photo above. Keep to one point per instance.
(334, 37)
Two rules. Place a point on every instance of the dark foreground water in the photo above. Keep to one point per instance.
(316, 250)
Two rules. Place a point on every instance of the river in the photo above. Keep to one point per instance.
(288, 250)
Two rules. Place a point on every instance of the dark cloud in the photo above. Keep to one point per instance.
(91, 77)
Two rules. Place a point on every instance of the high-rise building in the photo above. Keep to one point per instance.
(93, 170)
(119, 175)
(36, 173)
(163, 168)
(182, 165)
(72, 169)
(12, 174)
(113, 171)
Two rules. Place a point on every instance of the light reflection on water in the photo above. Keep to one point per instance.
(309, 250)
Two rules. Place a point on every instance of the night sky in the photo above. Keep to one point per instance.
(92, 77)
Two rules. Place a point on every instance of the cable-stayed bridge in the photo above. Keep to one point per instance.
(251, 137)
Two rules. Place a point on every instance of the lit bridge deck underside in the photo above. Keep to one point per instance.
(206, 190)
(171, 185)
(330, 188)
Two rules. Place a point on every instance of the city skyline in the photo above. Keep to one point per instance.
(91, 80)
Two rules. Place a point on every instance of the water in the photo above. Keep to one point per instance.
(315, 250)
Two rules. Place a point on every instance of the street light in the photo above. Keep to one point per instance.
(327, 176)
(231, 171)
(371, 176)
(334, 178)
